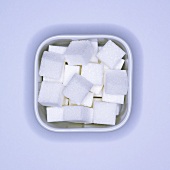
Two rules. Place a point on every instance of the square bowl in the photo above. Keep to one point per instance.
(64, 40)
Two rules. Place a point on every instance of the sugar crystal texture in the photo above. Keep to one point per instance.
(112, 98)
(57, 49)
(100, 94)
(51, 94)
(88, 100)
(118, 109)
(104, 113)
(94, 43)
(49, 79)
(69, 72)
(78, 114)
(117, 66)
(55, 80)
(54, 114)
(51, 65)
(100, 47)
(77, 89)
(94, 73)
(97, 90)
(110, 54)
(79, 52)
(116, 82)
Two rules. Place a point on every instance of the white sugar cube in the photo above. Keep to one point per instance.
(116, 82)
(78, 114)
(117, 66)
(79, 52)
(65, 102)
(97, 90)
(69, 72)
(106, 67)
(57, 49)
(100, 94)
(112, 98)
(51, 65)
(51, 94)
(118, 109)
(55, 80)
(49, 79)
(77, 89)
(94, 43)
(100, 47)
(110, 54)
(88, 100)
(104, 113)
(94, 73)
(54, 114)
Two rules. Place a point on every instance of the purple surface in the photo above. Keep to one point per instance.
(143, 143)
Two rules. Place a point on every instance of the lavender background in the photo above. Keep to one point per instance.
(143, 143)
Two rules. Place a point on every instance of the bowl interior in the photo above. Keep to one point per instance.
(41, 110)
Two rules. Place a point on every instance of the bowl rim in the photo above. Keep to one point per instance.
(84, 36)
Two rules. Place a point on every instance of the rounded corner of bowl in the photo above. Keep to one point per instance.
(130, 70)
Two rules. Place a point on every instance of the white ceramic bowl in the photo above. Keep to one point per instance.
(40, 111)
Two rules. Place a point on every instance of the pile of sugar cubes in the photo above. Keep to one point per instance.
(83, 83)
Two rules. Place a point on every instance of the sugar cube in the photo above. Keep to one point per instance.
(117, 66)
(49, 79)
(104, 113)
(77, 89)
(118, 109)
(57, 49)
(78, 114)
(51, 94)
(106, 67)
(100, 94)
(110, 54)
(94, 43)
(88, 100)
(94, 73)
(100, 47)
(51, 65)
(116, 82)
(79, 52)
(112, 98)
(54, 114)
(69, 72)
(97, 90)
(55, 80)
